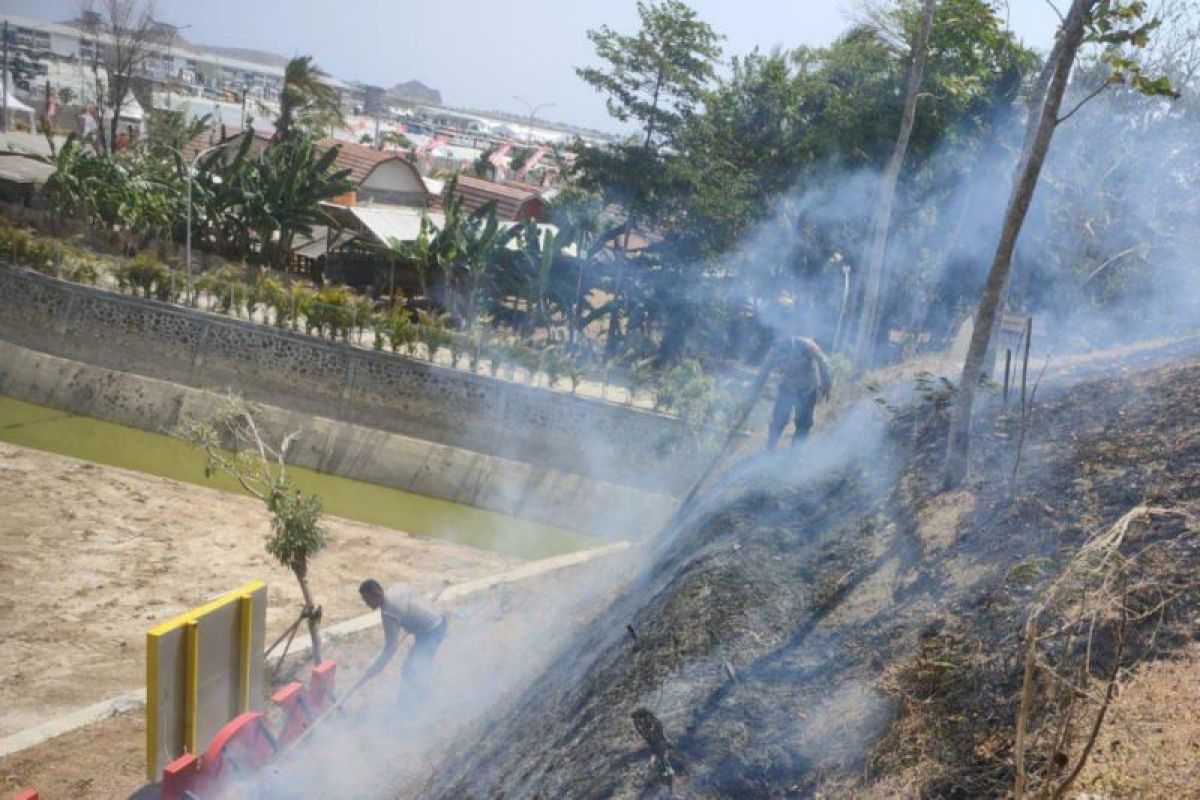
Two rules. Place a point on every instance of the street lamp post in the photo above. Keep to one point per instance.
(532, 114)
(191, 177)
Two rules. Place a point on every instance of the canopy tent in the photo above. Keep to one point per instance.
(15, 110)
(131, 109)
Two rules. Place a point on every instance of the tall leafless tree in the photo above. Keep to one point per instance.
(876, 256)
(122, 34)
(1043, 120)
(1112, 26)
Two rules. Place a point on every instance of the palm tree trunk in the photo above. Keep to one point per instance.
(1042, 123)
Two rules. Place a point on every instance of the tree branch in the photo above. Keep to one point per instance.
(1103, 266)
(1080, 104)
(1110, 691)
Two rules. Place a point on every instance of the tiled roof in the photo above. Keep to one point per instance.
(522, 186)
(357, 158)
(511, 202)
(212, 136)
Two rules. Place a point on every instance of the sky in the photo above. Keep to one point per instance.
(481, 53)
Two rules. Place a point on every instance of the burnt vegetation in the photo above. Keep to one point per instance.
(832, 632)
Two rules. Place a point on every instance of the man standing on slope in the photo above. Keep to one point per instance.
(805, 380)
(405, 611)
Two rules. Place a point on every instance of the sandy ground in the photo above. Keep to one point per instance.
(498, 639)
(1149, 746)
(91, 557)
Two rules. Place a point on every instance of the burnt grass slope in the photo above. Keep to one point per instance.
(781, 638)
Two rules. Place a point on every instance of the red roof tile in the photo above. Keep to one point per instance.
(512, 202)
(357, 158)
(212, 136)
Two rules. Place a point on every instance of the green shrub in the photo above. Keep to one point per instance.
(14, 244)
(554, 364)
(301, 300)
(331, 312)
(401, 331)
(147, 274)
(575, 373)
(433, 332)
(272, 294)
(638, 379)
(83, 272)
(225, 285)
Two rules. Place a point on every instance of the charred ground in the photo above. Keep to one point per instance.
(832, 623)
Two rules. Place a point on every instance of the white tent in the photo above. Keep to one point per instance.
(131, 109)
(15, 110)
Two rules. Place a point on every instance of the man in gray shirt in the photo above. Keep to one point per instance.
(806, 379)
(405, 611)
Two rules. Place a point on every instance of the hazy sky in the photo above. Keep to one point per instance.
(479, 53)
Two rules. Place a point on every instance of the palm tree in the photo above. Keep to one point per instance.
(306, 99)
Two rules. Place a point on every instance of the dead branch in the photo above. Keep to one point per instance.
(1108, 696)
(1026, 700)
(1107, 588)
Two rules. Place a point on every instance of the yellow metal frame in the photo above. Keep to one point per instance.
(190, 620)
(246, 612)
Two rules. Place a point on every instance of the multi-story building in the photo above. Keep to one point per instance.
(171, 60)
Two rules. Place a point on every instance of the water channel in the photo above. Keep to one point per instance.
(103, 442)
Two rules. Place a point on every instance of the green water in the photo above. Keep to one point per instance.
(90, 439)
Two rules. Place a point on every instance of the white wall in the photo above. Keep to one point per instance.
(395, 183)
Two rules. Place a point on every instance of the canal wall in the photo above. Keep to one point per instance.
(511, 487)
(589, 437)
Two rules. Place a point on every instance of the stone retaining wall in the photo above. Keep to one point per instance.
(512, 487)
(305, 374)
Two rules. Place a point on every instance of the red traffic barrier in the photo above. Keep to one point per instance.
(246, 745)
(180, 777)
(27, 794)
(240, 749)
(321, 696)
(297, 716)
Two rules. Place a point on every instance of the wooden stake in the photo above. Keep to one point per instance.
(1007, 371)
(1025, 364)
(1026, 699)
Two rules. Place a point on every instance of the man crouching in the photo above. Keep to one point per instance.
(404, 611)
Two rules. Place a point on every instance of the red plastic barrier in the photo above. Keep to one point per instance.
(180, 776)
(321, 695)
(297, 715)
(27, 794)
(240, 749)
(246, 745)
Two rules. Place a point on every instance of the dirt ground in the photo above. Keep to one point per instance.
(104, 760)
(1150, 744)
(498, 638)
(763, 639)
(91, 557)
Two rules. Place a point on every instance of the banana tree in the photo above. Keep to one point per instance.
(448, 244)
(419, 254)
(293, 179)
(224, 191)
(484, 241)
(590, 243)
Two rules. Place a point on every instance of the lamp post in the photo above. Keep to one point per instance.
(532, 114)
(191, 177)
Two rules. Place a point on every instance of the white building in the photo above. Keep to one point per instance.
(171, 60)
